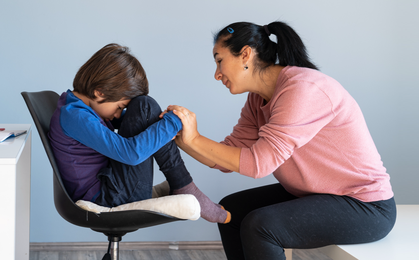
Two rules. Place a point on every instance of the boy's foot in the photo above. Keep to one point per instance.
(209, 210)
(160, 190)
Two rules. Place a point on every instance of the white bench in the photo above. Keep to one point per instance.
(401, 243)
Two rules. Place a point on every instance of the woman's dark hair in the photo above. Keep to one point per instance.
(114, 72)
(288, 51)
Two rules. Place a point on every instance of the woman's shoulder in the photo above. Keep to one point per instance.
(299, 77)
(293, 73)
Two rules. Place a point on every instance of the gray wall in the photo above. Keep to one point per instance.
(369, 46)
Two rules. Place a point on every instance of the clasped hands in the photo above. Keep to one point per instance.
(189, 125)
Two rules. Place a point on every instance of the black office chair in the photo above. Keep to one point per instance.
(113, 224)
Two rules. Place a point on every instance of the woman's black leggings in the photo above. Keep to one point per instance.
(267, 219)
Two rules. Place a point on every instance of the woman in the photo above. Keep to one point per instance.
(303, 127)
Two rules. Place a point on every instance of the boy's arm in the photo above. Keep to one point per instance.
(88, 130)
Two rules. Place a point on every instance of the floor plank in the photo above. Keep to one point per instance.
(308, 254)
(167, 254)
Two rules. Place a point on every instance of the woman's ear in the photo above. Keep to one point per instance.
(245, 54)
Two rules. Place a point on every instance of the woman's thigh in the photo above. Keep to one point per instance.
(243, 202)
(314, 221)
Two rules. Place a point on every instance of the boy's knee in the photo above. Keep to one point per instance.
(145, 102)
(142, 111)
(144, 106)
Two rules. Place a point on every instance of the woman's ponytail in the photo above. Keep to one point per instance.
(291, 50)
(288, 51)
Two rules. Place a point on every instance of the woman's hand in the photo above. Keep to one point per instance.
(201, 148)
(188, 118)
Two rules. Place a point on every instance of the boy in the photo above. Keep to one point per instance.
(111, 169)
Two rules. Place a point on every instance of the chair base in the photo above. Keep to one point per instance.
(113, 248)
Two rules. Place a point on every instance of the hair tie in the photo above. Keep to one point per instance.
(230, 30)
(267, 30)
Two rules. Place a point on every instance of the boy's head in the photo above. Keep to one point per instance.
(114, 72)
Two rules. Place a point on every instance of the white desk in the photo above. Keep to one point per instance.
(15, 180)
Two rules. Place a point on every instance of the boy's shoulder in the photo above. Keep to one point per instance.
(69, 102)
(68, 98)
(73, 110)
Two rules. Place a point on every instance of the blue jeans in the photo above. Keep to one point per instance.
(122, 183)
(267, 219)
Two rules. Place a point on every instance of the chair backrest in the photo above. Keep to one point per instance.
(41, 106)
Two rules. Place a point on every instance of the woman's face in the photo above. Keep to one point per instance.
(230, 69)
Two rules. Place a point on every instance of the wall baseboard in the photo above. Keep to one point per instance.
(91, 246)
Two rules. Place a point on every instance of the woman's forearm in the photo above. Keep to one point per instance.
(223, 155)
(194, 154)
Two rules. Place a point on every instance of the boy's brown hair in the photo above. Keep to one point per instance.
(114, 72)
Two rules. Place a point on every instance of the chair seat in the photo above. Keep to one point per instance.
(184, 206)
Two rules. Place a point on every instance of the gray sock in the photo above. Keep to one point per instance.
(209, 210)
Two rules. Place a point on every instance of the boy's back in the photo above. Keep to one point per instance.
(76, 161)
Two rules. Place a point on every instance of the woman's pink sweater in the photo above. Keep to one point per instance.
(313, 137)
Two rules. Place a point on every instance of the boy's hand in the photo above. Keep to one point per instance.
(162, 113)
(161, 116)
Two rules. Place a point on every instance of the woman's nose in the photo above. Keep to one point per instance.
(217, 74)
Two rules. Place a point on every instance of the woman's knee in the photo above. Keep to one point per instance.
(227, 201)
(259, 240)
(255, 224)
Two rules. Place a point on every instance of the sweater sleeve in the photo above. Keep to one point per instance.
(293, 117)
(86, 127)
(245, 132)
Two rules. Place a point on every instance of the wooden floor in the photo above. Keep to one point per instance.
(167, 254)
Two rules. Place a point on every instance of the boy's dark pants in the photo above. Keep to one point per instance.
(121, 183)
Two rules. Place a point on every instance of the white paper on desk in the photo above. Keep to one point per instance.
(7, 134)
